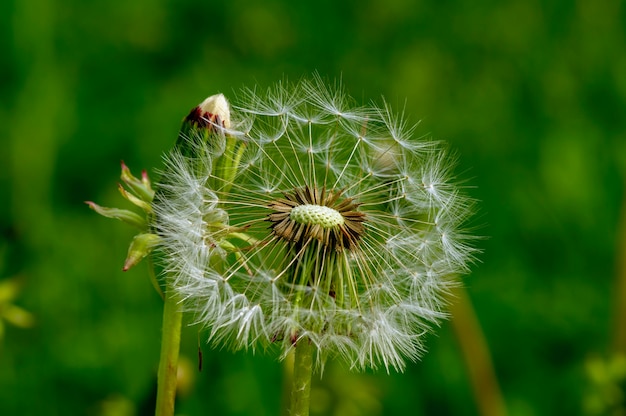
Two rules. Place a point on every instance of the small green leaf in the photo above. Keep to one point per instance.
(133, 199)
(124, 215)
(141, 187)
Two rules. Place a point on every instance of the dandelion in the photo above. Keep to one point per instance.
(295, 219)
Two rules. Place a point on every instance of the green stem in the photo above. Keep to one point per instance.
(477, 356)
(168, 363)
(302, 372)
(287, 365)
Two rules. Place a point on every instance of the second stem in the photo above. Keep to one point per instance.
(168, 364)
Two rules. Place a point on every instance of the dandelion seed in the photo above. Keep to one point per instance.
(300, 217)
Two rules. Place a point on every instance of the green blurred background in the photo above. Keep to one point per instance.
(531, 93)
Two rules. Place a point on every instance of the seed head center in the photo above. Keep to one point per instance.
(307, 214)
(311, 214)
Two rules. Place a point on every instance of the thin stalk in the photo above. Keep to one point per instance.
(477, 357)
(153, 278)
(302, 373)
(619, 291)
(168, 363)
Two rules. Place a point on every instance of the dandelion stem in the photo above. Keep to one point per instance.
(477, 356)
(168, 363)
(302, 372)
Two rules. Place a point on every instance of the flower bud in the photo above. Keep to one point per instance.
(140, 247)
(212, 111)
(205, 126)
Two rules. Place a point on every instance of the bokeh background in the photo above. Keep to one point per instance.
(532, 95)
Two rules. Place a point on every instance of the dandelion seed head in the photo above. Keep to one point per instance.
(314, 218)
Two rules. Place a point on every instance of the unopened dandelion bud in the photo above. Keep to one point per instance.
(215, 110)
(205, 124)
(140, 247)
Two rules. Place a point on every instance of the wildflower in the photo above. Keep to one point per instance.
(295, 217)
